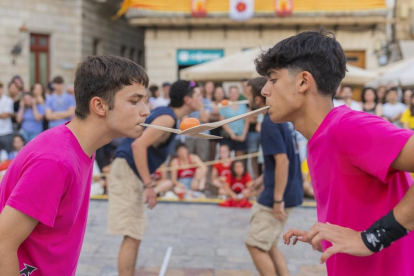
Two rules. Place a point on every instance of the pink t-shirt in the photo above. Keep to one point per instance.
(50, 180)
(349, 159)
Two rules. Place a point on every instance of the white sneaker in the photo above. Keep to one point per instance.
(170, 195)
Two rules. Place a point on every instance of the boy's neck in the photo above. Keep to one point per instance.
(311, 115)
(89, 140)
(182, 111)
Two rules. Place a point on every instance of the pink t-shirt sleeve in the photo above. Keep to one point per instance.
(39, 190)
(371, 144)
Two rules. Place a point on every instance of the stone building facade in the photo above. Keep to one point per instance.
(50, 37)
(175, 40)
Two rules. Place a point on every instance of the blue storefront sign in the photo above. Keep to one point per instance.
(192, 57)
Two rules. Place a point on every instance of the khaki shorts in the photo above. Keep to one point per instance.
(126, 214)
(265, 230)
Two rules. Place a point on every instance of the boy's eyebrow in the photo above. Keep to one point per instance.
(270, 72)
(137, 95)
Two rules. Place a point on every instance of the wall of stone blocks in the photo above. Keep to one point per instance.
(58, 18)
(109, 36)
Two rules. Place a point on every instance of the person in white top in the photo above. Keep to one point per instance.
(6, 127)
(346, 98)
(164, 99)
(393, 110)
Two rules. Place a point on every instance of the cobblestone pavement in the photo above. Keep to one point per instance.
(207, 240)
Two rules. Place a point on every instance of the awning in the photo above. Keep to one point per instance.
(241, 65)
(400, 73)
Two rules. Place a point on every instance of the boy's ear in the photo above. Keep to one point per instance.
(98, 106)
(305, 80)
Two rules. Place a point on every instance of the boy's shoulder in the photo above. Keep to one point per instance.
(53, 144)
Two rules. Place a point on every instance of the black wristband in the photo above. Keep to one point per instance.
(383, 233)
(149, 186)
(278, 201)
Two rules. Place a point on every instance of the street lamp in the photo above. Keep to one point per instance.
(17, 48)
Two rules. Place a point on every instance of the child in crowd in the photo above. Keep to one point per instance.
(239, 182)
(162, 183)
(221, 170)
(18, 144)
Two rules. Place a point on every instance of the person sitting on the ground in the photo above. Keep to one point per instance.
(162, 183)
(18, 144)
(221, 170)
(98, 180)
(191, 179)
(307, 186)
(239, 182)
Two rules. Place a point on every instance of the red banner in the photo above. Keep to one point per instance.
(284, 7)
(199, 8)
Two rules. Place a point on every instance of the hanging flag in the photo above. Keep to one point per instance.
(199, 8)
(126, 4)
(283, 7)
(241, 10)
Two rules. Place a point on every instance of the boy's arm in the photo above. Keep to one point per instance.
(15, 227)
(404, 211)
(140, 151)
(281, 179)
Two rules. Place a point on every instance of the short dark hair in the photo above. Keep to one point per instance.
(395, 89)
(180, 145)
(347, 86)
(364, 91)
(234, 163)
(27, 93)
(19, 136)
(317, 52)
(153, 89)
(41, 85)
(12, 83)
(257, 85)
(179, 90)
(103, 76)
(225, 145)
(58, 80)
(234, 87)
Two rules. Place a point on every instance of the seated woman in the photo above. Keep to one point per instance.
(222, 169)
(162, 183)
(18, 144)
(307, 187)
(188, 181)
(239, 183)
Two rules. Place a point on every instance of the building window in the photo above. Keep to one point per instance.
(132, 54)
(140, 58)
(123, 51)
(95, 49)
(356, 58)
(39, 59)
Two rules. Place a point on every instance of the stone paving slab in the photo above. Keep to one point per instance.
(206, 240)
